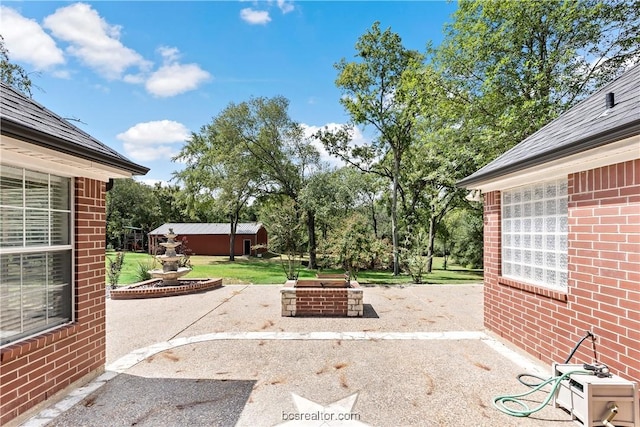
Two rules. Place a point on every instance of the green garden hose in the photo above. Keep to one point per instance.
(500, 401)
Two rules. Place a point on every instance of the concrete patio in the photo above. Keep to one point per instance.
(419, 357)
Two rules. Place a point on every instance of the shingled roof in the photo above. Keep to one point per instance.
(589, 124)
(24, 119)
(184, 229)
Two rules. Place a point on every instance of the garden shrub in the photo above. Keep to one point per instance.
(115, 268)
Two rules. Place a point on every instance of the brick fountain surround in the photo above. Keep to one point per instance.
(322, 297)
(147, 289)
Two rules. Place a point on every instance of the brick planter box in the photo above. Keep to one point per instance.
(321, 297)
(331, 275)
(145, 290)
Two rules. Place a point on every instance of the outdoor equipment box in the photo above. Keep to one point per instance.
(587, 397)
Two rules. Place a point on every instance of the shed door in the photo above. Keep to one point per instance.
(247, 247)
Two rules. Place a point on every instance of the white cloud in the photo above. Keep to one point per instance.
(357, 139)
(96, 43)
(148, 154)
(174, 78)
(152, 182)
(255, 17)
(27, 42)
(93, 40)
(134, 78)
(160, 131)
(170, 54)
(153, 140)
(102, 88)
(62, 74)
(285, 6)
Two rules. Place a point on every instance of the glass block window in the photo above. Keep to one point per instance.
(534, 233)
(35, 252)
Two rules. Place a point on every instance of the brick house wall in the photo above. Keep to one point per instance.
(35, 369)
(603, 291)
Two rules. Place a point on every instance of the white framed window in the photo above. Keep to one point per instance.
(534, 233)
(35, 252)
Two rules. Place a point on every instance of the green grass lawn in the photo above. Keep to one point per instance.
(270, 271)
(131, 260)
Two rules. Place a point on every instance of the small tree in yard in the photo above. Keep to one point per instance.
(415, 262)
(115, 268)
(286, 231)
(353, 244)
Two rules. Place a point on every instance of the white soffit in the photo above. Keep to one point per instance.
(23, 154)
(610, 154)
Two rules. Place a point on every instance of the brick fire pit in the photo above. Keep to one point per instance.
(322, 297)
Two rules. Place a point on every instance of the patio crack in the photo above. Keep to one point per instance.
(224, 301)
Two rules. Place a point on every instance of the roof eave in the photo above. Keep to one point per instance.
(607, 137)
(25, 133)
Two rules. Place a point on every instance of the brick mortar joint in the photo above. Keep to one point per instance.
(30, 345)
(555, 294)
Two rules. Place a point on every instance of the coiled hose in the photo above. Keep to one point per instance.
(500, 401)
(588, 334)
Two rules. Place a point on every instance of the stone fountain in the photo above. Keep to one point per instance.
(165, 281)
(170, 262)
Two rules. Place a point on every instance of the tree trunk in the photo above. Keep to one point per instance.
(433, 225)
(432, 239)
(394, 213)
(445, 250)
(232, 236)
(374, 220)
(311, 229)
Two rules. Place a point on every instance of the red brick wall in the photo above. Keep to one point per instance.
(325, 302)
(492, 261)
(33, 370)
(603, 292)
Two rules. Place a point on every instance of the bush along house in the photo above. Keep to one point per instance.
(53, 179)
(562, 233)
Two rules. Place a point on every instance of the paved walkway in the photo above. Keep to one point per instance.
(419, 357)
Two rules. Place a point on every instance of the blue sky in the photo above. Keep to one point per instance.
(140, 76)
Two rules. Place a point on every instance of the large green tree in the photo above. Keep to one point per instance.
(374, 97)
(173, 205)
(285, 157)
(335, 195)
(438, 157)
(509, 67)
(130, 204)
(428, 192)
(504, 70)
(219, 168)
(252, 149)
